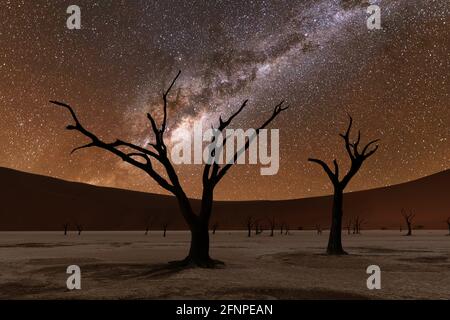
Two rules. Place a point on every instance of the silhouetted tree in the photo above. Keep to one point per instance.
(149, 223)
(272, 225)
(249, 225)
(409, 217)
(358, 222)
(349, 226)
(165, 226)
(357, 158)
(215, 226)
(258, 227)
(261, 228)
(79, 228)
(144, 159)
(286, 229)
(66, 228)
(318, 229)
(448, 224)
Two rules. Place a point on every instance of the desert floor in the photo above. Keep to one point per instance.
(130, 265)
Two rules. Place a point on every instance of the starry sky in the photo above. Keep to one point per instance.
(317, 55)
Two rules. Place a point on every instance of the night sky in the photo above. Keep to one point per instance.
(317, 55)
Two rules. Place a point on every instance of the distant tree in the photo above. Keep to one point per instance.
(258, 226)
(409, 217)
(286, 229)
(272, 225)
(358, 222)
(66, 228)
(153, 159)
(165, 226)
(249, 225)
(318, 229)
(149, 223)
(215, 226)
(79, 228)
(357, 158)
(349, 225)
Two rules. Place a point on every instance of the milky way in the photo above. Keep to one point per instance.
(319, 56)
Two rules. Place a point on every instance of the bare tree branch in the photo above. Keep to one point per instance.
(221, 173)
(325, 167)
(112, 147)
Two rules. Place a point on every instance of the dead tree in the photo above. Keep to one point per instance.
(165, 226)
(349, 226)
(215, 226)
(249, 224)
(272, 225)
(286, 229)
(258, 227)
(409, 217)
(261, 228)
(148, 224)
(145, 159)
(318, 229)
(358, 222)
(66, 228)
(79, 228)
(357, 157)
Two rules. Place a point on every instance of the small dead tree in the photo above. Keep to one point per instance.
(149, 224)
(215, 226)
(286, 229)
(318, 229)
(349, 226)
(165, 226)
(66, 228)
(357, 158)
(249, 225)
(358, 222)
(272, 225)
(409, 217)
(156, 152)
(258, 227)
(79, 228)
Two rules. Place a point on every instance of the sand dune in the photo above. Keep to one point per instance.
(33, 202)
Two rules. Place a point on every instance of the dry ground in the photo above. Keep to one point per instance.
(130, 265)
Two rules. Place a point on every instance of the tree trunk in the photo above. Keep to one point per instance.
(199, 251)
(335, 241)
(409, 229)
